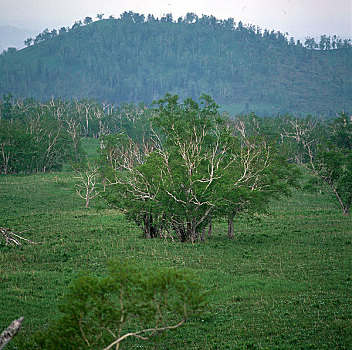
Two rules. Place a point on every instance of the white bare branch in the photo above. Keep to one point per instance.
(10, 332)
(148, 330)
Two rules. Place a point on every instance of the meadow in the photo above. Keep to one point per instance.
(284, 282)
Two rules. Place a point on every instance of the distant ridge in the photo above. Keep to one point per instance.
(134, 59)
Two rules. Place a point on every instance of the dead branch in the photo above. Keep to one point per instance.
(13, 238)
(137, 334)
(10, 332)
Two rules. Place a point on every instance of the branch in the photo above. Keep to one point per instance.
(137, 334)
(10, 332)
(12, 238)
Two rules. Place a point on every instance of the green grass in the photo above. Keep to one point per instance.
(284, 282)
(91, 147)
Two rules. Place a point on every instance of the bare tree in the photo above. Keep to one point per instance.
(86, 186)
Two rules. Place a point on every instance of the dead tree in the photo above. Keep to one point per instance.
(86, 186)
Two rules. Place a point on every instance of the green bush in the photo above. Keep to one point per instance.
(127, 301)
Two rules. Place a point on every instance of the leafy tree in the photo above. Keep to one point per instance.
(190, 18)
(169, 176)
(6, 109)
(9, 51)
(61, 124)
(34, 137)
(66, 114)
(325, 42)
(28, 42)
(189, 150)
(88, 20)
(196, 166)
(16, 147)
(325, 149)
(341, 131)
(258, 173)
(127, 187)
(62, 30)
(167, 18)
(77, 24)
(151, 18)
(310, 43)
(334, 166)
(101, 312)
(334, 160)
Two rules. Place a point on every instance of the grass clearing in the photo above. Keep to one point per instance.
(284, 282)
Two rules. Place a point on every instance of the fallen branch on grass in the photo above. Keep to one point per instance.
(10, 331)
(13, 238)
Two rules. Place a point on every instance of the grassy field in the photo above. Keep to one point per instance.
(284, 282)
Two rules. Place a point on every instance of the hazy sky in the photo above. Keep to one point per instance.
(300, 18)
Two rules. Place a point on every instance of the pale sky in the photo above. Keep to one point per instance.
(300, 18)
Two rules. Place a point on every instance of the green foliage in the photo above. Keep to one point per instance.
(196, 166)
(43, 136)
(334, 160)
(32, 139)
(325, 149)
(138, 59)
(15, 147)
(341, 131)
(100, 310)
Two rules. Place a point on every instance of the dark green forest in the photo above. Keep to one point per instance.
(138, 59)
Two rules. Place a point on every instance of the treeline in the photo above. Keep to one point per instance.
(176, 166)
(135, 59)
(325, 43)
(43, 136)
(324, 149)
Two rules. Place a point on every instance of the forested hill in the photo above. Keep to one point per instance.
(133, 59)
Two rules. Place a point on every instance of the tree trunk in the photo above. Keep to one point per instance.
(180, 231)
(146, 226)
(87, 198)
(202, 238)
(176, 228)
(192, 230)
(346, 210)
(150, 230)
(230, 233)
(210, 228)
(183, 233)
(153, 229)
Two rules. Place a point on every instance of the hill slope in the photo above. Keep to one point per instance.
(136, 60)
